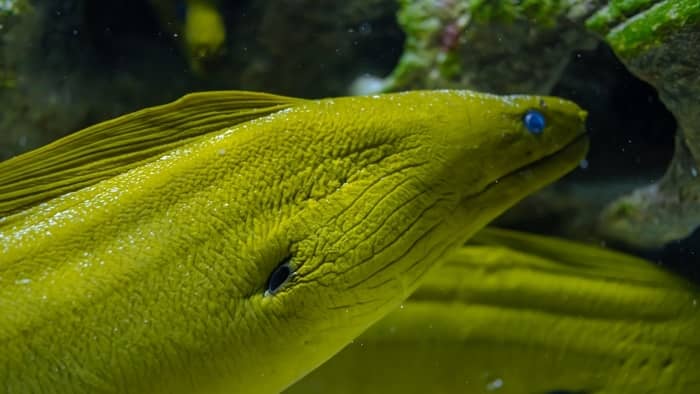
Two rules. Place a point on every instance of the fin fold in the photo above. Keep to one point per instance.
(580, 257)
(115, 146)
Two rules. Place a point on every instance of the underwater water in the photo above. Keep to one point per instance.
(449, 196)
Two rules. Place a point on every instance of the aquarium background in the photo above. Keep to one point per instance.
(68, 64)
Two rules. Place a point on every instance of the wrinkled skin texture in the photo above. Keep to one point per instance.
(153, 281)
(523, 314)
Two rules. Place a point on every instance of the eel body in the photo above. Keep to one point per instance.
(516, 313)
(233, 241)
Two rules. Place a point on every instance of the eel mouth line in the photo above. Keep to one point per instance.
(578, 142)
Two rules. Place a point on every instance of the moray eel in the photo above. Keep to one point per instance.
(230, 242)
(515, 313)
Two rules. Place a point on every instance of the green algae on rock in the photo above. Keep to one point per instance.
(635, 26)
(659, 42)
(503, 47)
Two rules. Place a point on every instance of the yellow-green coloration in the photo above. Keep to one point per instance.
(115, 146)
(515, 313)
(633, 27)
(153, 278)
(203, 30)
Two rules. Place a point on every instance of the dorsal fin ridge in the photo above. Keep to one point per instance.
(122, 143)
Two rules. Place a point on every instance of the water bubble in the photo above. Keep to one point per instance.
(365, 28)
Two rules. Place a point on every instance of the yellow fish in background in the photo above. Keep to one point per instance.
(231, 242)
(515, 313)
(200, 27)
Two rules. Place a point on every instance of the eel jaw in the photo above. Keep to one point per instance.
(576, 148)
(482, 207)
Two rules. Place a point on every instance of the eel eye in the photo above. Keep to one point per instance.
(534, 122)
(279, 276)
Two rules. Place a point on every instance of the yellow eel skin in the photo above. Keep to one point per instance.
(514, 313)
(135, 254)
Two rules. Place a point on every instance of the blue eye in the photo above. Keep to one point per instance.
(534, 121)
